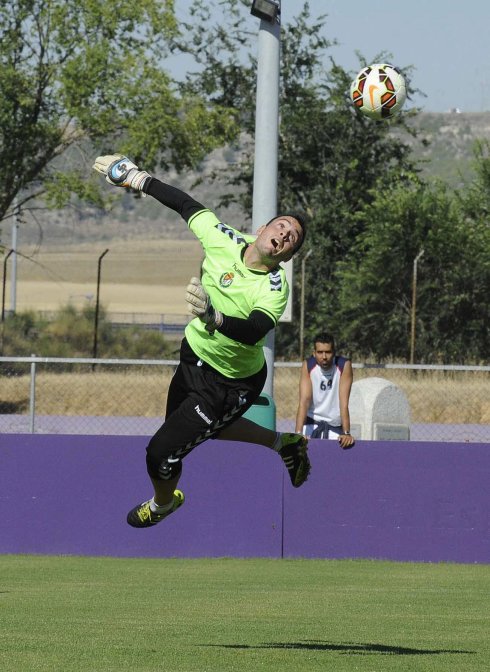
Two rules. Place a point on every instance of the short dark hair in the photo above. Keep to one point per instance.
(324, 337)
(300, 217)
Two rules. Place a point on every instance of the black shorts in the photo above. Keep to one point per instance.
(201, 402)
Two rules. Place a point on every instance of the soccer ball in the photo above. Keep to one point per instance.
(379, 91)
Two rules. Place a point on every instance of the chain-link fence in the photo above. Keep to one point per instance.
(94, 396)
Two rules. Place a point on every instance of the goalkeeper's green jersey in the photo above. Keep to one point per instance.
(235, 290)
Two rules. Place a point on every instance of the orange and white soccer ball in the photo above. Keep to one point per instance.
(379, 91)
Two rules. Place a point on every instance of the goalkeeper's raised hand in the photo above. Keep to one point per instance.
(121, 171)
(199, 304)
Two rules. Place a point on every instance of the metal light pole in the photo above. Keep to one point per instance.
(414, 302)
(2, 332)
(264, 206)
(96, 325)
(302, 308)
(4, 282)
(13, 273)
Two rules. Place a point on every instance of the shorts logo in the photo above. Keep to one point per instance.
(201, 414)
(226, 279)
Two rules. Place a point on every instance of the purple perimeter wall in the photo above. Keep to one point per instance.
(393, 500)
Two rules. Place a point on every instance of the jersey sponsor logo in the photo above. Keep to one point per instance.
(235, 268)
(231, 233)
(276, 281)
(226, 279)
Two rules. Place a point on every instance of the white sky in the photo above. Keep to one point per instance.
(447, 42)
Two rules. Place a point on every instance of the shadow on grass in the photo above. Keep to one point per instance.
(348, 647)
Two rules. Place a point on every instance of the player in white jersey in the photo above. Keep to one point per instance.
(324, 391)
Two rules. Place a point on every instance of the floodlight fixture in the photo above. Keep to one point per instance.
(268, 10)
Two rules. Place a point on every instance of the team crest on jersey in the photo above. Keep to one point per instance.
(226, 279)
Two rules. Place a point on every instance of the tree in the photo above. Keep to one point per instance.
(370, 213)
(70, 334)
(75, 74)
(375, 281)
(331, 158)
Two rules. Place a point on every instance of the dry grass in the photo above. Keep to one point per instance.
(434, 397)
(444, 396)
(136, 276)
(149, 276)
(105, 393)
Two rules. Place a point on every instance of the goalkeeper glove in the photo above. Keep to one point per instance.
(199, 304)
(121, 171)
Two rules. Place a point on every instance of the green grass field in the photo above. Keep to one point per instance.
(222, 615)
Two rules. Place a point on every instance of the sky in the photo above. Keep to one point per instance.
(446, 41)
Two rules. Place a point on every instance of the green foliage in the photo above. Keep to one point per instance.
(71, 334)
(331, 158)
(375, 283)
(84, 73)
(333, 165)
(370, 212)
(78, 74)
(475, 199)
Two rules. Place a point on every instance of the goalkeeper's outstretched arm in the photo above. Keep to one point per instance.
(173, 198)
(122, 172)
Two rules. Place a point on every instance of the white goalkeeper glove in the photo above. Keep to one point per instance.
(121, 171)
(199, 304)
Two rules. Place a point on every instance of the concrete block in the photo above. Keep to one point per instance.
(379, 410)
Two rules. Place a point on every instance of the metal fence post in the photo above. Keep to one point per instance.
(32, 396)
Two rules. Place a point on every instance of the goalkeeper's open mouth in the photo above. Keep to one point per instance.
(277, 244)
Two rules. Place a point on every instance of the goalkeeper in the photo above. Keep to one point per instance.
(239, 298)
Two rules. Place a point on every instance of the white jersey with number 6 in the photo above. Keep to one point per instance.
(325, 404)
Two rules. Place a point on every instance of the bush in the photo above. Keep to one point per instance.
(71, 334)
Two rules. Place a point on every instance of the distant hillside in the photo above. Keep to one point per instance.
(451, 137)
(132, 217)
